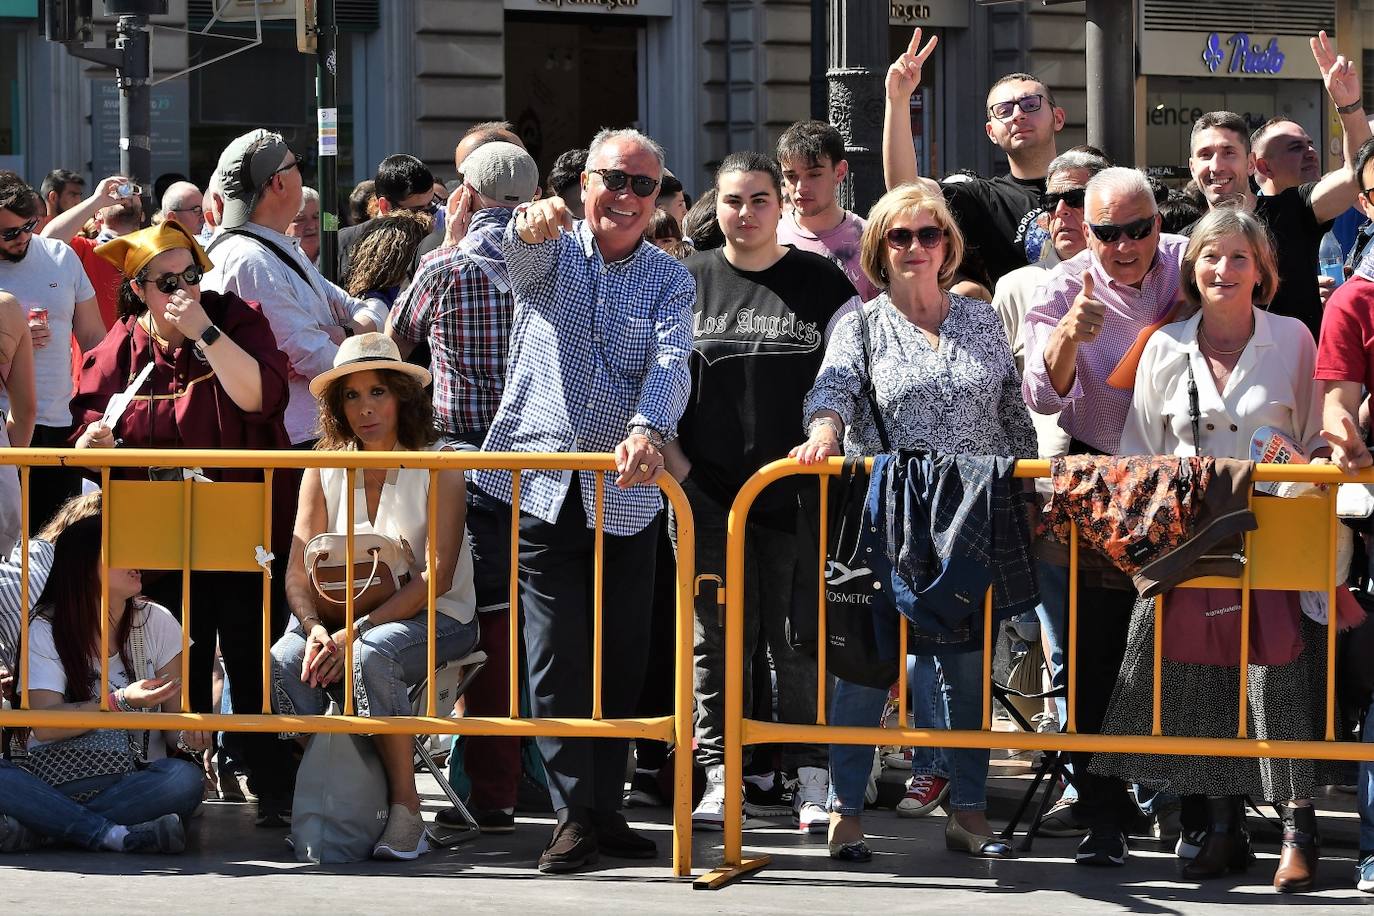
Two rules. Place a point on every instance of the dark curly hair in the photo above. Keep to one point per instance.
(415, 428)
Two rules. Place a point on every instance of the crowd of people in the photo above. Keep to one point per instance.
(1069, 307)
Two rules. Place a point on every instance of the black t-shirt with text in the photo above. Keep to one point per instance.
(760, 339)
(1297, 238)
(993, 214)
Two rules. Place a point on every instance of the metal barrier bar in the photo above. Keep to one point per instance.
(823, 526)
(740, 731)
(431, 586)
(514, 595)
(1242, 727)
(350, 519)
(24, 602)
(598, 572)
(987, 661)
(104, 592)
(1156, 684)
(267, 592)
(186, 536)
(1331, 621)
(675, 728)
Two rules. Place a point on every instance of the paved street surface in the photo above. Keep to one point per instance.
(911, 872)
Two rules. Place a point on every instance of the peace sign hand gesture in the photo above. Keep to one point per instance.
(1348, 450)
(1342, 82)
(905, 73)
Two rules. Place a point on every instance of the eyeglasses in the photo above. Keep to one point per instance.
(1135, 230)
(295, 163)
(1368, 195)
(615, 180)
(928, 236)
(429, 209)
(170, 283)
(1072, 198)
(198, 210)
(1027, 103)
(9, 235)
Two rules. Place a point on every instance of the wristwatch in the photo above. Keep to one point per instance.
(655, 437)
(210, 335)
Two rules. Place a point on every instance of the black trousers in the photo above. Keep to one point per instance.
(49, 488)
(556, 576)
(1104, 614)
(227, 606)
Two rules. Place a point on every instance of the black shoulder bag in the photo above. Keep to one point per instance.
(852, 591)
(266, 243)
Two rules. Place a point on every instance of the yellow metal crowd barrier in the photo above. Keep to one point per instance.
(1279, 556)
(220, 526)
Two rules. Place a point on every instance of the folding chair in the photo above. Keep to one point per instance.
(450, 680)
(1053, 765)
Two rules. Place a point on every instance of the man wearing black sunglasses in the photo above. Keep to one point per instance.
(52, 287)
(1022, 121)
(1221, 161)
(402, 183)
(1090, 314)
(598, 362)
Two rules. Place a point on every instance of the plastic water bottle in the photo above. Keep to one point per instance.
(1331, 259)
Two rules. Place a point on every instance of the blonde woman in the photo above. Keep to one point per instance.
(944, 380)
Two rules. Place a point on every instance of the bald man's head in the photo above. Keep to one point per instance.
(481, 134)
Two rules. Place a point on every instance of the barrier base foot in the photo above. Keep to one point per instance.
(717, 878)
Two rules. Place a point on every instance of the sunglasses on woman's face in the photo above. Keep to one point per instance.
(928, 236)
(1072, 198)
(170, 283)
(9, 235)
(1135, 230)
(615, 180)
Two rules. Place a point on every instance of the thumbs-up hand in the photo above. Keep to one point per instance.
(1086, 316)
(543, 220)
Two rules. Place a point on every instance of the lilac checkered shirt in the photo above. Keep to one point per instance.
(1093, 411)
(595, 348)
(461, 301)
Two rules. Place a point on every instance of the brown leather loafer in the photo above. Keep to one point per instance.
(573, 847)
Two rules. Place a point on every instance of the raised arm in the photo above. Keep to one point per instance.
(1335, 192)
(903, 78)
(65, 226)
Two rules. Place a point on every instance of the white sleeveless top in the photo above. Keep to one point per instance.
(402, 513)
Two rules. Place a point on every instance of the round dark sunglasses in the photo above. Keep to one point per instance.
(1072, 198)
(10, 235)
(615, 180)
(170, 283)
(929, 237)
(1135, 230)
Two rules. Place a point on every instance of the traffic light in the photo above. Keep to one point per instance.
(67, 20)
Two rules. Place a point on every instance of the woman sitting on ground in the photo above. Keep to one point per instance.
(1207, 386)
(372, 401)
(141, 802)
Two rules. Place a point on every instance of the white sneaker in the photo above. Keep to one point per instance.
(710, 811)
(809, 800)
(405, 837)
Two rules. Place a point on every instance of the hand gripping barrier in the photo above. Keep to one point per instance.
(1279, 557)
(223, 525)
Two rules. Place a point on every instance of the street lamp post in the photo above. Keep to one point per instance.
(858, 60)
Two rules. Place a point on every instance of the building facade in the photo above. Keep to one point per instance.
(702, 76)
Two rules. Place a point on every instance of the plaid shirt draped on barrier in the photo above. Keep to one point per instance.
(594, 348)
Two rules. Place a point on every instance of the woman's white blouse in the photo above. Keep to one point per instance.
(1271, 385)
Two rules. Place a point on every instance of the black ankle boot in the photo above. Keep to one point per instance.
(1227, 846)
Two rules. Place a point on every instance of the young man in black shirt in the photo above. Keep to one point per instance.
(762, 316)
(1221, 161)
(993, 213)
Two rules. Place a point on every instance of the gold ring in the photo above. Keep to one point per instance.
(643, 469)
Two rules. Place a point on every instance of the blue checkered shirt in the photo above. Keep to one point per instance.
(595, 348)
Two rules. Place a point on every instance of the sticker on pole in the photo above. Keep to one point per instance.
(329, 131)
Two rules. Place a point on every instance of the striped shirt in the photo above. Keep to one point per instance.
(595, 348)
(1093, 411)
(11, 578)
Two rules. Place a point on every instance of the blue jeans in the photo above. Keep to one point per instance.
(165, 787)
(1366, 785)
(929, 709)
(386, 661)
(851, 764)
(1053, 612)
